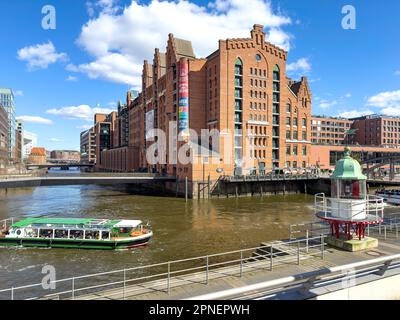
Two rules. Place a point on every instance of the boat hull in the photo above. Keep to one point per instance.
(74, 244)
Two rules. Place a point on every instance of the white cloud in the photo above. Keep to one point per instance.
(40, 56)
(355, 113)
(34, 119)
(120, 41)
(84, 127)
(325, 104)
(312, 80)
(103, 6)
(391, 111)
(347, 95)
(301, 65)
(397, 73)
(19, 93)
(388, 99)
(56, 140)
(72, 68)
(82, 112)
(72, 79)
(114, 67)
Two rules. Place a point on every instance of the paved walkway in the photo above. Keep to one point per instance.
(195, 284)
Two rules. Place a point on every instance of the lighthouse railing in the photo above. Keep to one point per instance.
(349, 209)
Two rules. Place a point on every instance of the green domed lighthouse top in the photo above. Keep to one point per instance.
(348, 168)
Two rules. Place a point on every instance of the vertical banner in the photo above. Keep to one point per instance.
(149, 124)
(184, 98)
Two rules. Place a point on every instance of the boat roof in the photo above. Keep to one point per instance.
(78, 221)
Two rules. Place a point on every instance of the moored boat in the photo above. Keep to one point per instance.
(389, 196)
(76, 233)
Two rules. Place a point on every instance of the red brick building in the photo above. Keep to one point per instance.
(326, 156)
(263, 118)
(377, 130)
(65, 155)
(242, 88)
(37, 156)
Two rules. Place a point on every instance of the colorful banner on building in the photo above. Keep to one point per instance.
(184, 99)
(149, 124)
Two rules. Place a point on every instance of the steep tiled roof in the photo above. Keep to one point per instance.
(295, 87)
(184, 48)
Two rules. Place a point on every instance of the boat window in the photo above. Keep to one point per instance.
(92, 235)
(19, 232)
(31, 233)
(60, 234)
(105, 235)
(124, 231)
(76, 234)
(46, 233)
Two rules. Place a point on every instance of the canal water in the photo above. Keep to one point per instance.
(181, 230)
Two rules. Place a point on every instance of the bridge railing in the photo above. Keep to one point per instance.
(163, 277)
(307, 281)
(270, 177)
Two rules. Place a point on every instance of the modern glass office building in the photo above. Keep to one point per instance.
(7, 102)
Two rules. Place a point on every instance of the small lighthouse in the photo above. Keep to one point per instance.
(350, 209)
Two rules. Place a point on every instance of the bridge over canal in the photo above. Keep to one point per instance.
(83, 179)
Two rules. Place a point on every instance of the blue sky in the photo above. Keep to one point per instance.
(95, 54)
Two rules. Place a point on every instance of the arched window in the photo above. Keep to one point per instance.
(288, 107)
(277, 75)
(238, 67)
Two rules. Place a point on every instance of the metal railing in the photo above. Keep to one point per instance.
(307, 281)
(163, 277)
(371, 206)
(270, 177)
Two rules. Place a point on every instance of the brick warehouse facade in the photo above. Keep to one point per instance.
(241, 90)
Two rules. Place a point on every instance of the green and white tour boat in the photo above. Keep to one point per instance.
(76, 233)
